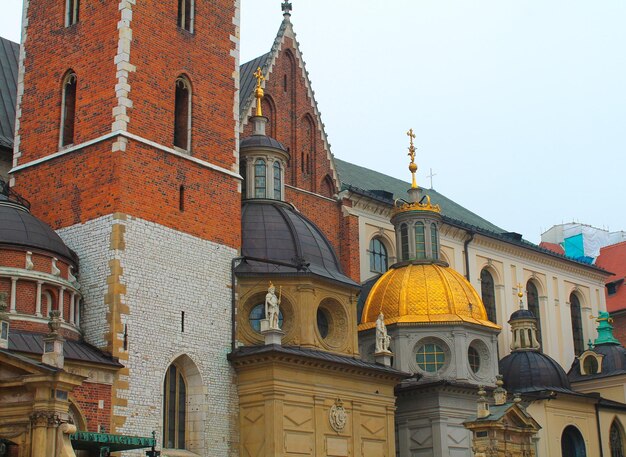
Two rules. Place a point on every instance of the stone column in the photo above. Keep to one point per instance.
(13, 304)
(72, 307)
(40, 447)
(356, 424)
(38, 299)
(504, 339)
(320, 426)
(460, 353)
(440, 436)
(61, 302)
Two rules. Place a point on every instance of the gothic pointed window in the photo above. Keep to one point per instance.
(259, 178)
(488, 294)
(174, 408)
(185, 14)
(277, 181)
(577, 324)
(182, 114)
(615, 440)
(434, 239)
(532, 296)
(378, 256)
(72, 8)
(68, 109)
(420, 241)
(404, 241)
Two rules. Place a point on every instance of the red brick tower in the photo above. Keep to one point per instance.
(126, 144)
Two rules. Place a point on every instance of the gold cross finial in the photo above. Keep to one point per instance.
(258, 92)
(412, 165)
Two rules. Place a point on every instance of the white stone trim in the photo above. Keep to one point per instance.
(126, 135)
(20, 89)
(31, 275)
(234, 53)
(41, 320)
(123, 68)
(297, 189)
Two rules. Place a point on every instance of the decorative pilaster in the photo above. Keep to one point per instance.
(38, 299)
(13, 308)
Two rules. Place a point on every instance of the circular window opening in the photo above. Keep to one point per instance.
(430, 357)
(258, 313)
(591, 365)
(474, 359)
(322, 322)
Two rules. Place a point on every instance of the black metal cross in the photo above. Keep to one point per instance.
(286, 7)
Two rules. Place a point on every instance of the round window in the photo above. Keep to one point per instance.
(322, 322)
(474, 359)
(430, 357)
(258, 313)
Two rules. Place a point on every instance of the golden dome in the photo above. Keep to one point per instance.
(424, 294)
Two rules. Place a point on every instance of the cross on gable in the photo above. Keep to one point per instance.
(286, 7)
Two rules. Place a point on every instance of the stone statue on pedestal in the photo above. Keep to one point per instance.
(272, 307)
(382, 339)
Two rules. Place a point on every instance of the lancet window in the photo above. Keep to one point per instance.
(68, 109)
(182, 114)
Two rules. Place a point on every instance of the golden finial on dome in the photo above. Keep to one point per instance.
(520, 294)
(258, 92)
(411, 154)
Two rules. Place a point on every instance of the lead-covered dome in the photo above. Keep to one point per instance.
(21, 229)
(424, 293)
(532, 371)
(274, 231)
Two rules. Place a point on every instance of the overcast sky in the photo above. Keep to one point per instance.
(519, 106)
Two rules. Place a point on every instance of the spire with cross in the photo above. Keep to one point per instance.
(286, 7)
(431, 176)
(411, 154)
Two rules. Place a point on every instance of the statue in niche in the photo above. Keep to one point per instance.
(382, 339)
(272, 307)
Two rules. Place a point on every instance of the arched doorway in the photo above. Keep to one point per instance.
(572, 443)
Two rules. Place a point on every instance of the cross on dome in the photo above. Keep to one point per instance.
(286, 7)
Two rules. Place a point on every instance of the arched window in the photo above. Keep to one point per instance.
(378, 256)
(590, 364)
(72, 8)
(420, 241)
(174, 408)
(577, 324)
(572, 443)
(404, 241)
(259, 178)
(185, 14)
(47, 299)
(277, 181)
(532, 296)
(434, 239)
(182, 114)
(488, 294)
(615, 440)
(327, 187)
(68, 109)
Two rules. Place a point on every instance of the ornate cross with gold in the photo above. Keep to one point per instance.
(411, 154)
(258, 92)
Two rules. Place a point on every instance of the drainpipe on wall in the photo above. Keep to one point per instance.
(599, 427)
(468, 240)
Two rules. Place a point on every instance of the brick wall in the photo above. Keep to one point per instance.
(87, 398)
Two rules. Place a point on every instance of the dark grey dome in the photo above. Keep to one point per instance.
(20, 228)
(613, 362)
(531, 371)
(522, 314)
(261, 141)
(274, 231)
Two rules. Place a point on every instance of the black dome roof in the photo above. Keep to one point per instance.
(261, 141)
(522, 314)
(529, 371)
(613, 362)
(273, 230)
(20, 228)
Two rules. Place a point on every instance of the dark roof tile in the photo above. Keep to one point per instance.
(9, 55)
